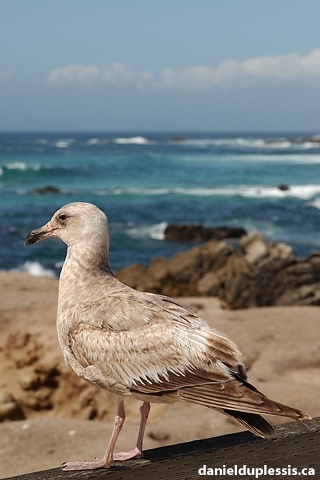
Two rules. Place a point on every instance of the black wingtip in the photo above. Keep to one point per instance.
(252, 421)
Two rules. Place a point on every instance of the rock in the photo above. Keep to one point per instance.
(37, 376)
(46, 190)
(179, 275)
(10, 408)
(315, 139)
(176, 138)
(132, 274)
(22, 348)
(314, 260)
(260, 273)
(283, 187)
(254, 247)
(159, 435)
(211, 285)
(198, 233)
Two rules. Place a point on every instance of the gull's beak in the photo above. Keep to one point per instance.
(39, 234)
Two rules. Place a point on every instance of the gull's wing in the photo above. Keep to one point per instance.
(167, 353)
(147, 339)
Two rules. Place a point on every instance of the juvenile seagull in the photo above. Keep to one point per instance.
(140, 344)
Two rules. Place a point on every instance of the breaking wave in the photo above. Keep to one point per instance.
(298, 191)
(19, 166)
(36, 269)
(136, 140)
(154, 231)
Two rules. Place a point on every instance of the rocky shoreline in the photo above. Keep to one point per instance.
(252, 273)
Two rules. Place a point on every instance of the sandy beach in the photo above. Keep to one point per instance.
(61, 418)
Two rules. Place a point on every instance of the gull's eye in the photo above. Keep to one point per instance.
(62, 217)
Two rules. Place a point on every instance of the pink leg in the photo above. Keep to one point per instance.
(107, 459)
(137, 451)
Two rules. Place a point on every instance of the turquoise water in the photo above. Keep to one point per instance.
(145, 181)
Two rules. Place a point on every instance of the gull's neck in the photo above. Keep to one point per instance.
(84, 261)
(88, 256)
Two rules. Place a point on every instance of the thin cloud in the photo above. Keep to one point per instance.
(230, 72)
(117, 74)
(278, 68)
(82, 75)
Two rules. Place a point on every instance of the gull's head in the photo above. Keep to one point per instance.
(73, 223)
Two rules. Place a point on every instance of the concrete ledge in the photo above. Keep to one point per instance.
(294, 444)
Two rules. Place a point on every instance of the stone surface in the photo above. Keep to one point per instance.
(257, 273)
(198, 233)
(9, 407)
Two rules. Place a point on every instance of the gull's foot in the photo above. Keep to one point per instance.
(122, 456)
(86, 465)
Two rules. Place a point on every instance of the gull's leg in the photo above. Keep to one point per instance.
(107, 459)
(137, 451)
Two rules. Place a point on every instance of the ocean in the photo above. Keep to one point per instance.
(144, 181)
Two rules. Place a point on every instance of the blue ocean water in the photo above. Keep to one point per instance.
(145, 181)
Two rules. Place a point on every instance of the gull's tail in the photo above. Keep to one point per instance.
(243, 402)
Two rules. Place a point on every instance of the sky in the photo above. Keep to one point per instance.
(169, 65)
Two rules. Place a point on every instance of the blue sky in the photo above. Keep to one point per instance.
(214, 65)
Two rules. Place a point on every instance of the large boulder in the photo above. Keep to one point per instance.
(179, 275)
(198, 233)
(257, 273)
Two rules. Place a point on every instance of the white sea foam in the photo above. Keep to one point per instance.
(166, 191)
(196, 192)
(22, 166)
(157, 231)
(221, 142)
(59, 264)
(278, 144)
(315, 203)
(250, 142)
(154, 231)
(36, 269)
(261, 192)
(288, 157)
(136, 140)
(308, 145)
(242, 142)
(299, 191)
(17, 166)
(93, 141)
(64, 142)
(304, 191)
